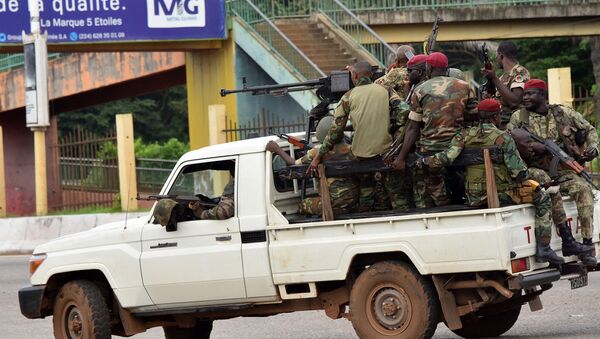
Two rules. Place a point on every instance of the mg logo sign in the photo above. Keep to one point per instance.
(176, 13)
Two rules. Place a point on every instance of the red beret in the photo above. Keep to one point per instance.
(536, 83)
(437, 59)
(416, 60)
(489, 105)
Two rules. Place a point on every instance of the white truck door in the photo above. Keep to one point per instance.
(200, 263)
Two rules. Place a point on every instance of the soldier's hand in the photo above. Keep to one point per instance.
(421, 162)
(490, 74)
(272, 146)
(195, 206)
(399, 164)
(590, 153)
(312, 168)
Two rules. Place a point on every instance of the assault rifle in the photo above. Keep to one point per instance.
(182, 199)
(302, 144)
(559, 156)
(431, 41)
(487, 86)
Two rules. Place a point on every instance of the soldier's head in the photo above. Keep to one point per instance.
(359, 70)
(535, 96)
(524, 143)
(437, 64)
(403, 54)
(416, 68)
(489, 111)
(456, 73)
(323, 127)
(506, 51)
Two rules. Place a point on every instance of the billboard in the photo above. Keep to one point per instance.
(103, 21)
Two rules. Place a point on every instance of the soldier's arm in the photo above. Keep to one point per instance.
(448, 156)
(399, 111)
(224, 210)
(336, 132)
(513, 96)
(513, 161)
(413, 128)
(514, 121)
(591, 139)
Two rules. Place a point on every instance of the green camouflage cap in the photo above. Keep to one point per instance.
(323, 127)
(163, 210)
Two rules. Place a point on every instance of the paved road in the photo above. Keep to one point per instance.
(567, 314)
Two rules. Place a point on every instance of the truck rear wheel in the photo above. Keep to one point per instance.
(200, 331)
(80, 311)
(488, 326)
(392, 300)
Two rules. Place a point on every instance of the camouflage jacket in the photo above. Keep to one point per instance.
(395, 79)
(340, 151)
(516, 78)
(369, 108)
(225, 209)
(439, 103)
(559, 125)
(512, 171)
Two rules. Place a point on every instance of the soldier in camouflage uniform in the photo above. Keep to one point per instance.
(437, 108)
(397, 76)
(368, 107)
(225, 209)
(561, 124)
(344, 192)
(509, 175)
(509, 87)
(569, 245)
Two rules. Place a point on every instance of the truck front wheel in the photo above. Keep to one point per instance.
(392, 300)
(488, 326)
(200, 331)
(80, 311)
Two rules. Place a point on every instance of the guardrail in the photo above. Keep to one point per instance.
(393, 5)
(260, 23)
(10, 61)
(360, 32)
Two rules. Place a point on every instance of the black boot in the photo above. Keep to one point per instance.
(569, 245)
(588, 258)
(543, 253)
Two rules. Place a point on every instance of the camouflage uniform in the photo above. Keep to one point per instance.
(395, 79)
(343, 191)
(439, 104)
(516, 78)
(508, 175)
(369, 108)
(560, 125)
(225, 209)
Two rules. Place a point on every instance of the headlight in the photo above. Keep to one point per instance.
(35, 261)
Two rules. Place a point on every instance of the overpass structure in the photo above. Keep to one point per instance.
(270, 43)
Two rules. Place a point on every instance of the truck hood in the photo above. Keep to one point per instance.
(103, 235)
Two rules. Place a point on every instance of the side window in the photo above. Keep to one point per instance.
(213, 183)
(281, 184)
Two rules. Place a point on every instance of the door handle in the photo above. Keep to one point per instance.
(223, 238)
(164, 244)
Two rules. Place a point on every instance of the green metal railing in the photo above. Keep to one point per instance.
(10, 61)
(360, 32)
(260, 24)
(392, 5)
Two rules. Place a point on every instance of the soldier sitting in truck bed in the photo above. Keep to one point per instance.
(344, 191)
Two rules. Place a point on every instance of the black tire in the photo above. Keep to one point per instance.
(80, 311)
(387, 290)
(489, 326)
(200, 331)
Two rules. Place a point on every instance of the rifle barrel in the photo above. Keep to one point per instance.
(265, 89)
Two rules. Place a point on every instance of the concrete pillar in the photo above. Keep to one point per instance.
(41, 181)
(207, 71)
(2, 182)
(126, 155)
(559, 86)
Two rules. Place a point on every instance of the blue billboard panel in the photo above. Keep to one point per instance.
(93, 21)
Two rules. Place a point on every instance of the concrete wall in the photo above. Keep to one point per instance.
(248, 105)
(22, 235)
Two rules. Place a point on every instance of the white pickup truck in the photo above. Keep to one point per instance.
(393, 275)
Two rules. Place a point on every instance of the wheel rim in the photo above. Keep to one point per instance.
(389, 309)
(74, 322)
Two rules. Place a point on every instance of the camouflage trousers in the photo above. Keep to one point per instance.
(579, 190)
(429, 187)
(382, 191)
(543, 219)
(344, 193)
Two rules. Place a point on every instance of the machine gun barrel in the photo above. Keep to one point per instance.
(276, 89)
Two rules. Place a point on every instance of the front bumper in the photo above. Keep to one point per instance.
(30, 301)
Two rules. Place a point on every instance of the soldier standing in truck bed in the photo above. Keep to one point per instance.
(509, 87)
(397, 76)
(437, 108)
